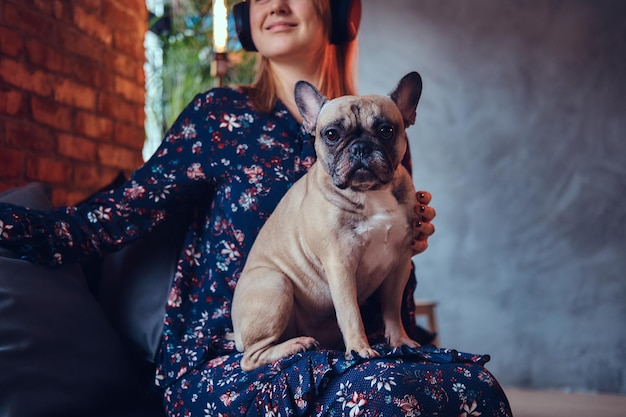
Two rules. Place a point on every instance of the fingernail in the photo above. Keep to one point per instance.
(422, 208)
(422, 195)
(418, 224)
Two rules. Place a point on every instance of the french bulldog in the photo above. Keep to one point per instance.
(342, 232)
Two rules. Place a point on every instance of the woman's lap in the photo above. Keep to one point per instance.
(406, 382)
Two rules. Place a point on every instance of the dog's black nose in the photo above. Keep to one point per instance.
(360, 149)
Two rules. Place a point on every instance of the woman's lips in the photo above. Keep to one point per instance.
(279, 26)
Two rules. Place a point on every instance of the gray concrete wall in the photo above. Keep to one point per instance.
(521, 138)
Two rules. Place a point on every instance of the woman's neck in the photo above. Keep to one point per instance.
(285, 79)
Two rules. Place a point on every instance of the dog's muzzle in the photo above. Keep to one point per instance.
(364, 167)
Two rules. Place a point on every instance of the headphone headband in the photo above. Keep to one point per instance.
(345, 19)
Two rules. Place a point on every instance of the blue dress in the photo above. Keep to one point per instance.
(226, 166)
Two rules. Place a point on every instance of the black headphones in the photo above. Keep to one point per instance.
(345, 16)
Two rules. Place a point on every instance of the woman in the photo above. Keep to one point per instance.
(225, 163)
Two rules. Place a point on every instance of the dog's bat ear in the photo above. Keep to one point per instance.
(309, 101)
(406, 95)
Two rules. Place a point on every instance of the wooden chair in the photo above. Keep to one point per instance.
(426, 308)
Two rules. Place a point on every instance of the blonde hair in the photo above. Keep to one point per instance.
(337, 69)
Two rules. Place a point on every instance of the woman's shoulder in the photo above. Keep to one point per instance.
(230, 100)
(236, 96)
(237, 100)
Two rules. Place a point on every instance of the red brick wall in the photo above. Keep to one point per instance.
(71, 93)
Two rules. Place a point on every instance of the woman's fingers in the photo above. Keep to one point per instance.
(423, 225)
(426, 212)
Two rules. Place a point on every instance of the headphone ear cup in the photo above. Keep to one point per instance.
(241, 13)
(346, 18)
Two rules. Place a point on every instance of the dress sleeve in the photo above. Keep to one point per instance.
(172, 179)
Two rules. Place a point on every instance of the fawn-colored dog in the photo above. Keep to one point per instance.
(342, 232)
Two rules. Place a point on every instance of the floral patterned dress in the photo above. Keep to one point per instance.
(226, 166)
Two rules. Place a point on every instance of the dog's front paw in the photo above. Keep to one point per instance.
(403, 341)
(366, 352)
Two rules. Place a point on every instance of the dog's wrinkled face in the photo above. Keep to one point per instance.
(360, 140)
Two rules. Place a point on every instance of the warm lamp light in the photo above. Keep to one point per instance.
(220, 26)
(220, 36)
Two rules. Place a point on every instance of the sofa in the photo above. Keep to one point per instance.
(80, 340)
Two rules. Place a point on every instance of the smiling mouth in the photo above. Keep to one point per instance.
(278, 26)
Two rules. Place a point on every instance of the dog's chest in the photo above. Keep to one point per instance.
(382, 232)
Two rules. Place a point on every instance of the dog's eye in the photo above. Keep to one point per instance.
(385, 131)
(331, 135)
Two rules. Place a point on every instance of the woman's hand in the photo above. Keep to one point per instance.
(422, 225)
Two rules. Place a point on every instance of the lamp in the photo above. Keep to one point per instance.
(220, 37)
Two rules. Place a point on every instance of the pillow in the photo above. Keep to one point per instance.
(58, 353)
(135, 284)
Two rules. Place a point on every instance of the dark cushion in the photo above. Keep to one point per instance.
(135, 284)
(58, 353)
